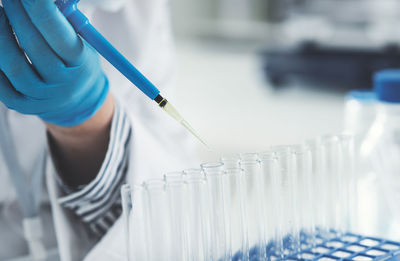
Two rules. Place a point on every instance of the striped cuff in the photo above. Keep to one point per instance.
(98, 204)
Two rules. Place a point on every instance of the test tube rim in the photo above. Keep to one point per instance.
(242, 156)
(131, 188)
(189, 170)
(211, 165)
(154, 184)
(174, 177)
(212, 169)
(249, 162)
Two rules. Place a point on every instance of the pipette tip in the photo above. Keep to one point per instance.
(167, 107)
(193, 132)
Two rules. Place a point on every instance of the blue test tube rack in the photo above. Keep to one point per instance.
(349, 247)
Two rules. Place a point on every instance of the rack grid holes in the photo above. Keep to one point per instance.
(390, 246)
(325, 258)
(356, 248)
(334, 244)
(321, 250)
(369, 242)
(307, 255)
(362, 258)
(342, 254)
(376, 252)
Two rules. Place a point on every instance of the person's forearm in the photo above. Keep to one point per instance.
(78, 152)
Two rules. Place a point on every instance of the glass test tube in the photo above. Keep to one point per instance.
(250, 163)
(158, 217)
(305, 193)
(331, 172)
(234, 189)
(347, 152)
(219, 220)
(288, 203)
(178, 203)
(127, 211)
(135, 225)
(319, 184)
(273, 237)
(198, 215)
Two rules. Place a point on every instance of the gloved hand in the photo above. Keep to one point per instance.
(61, 81)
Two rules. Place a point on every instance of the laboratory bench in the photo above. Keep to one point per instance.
(223, 92)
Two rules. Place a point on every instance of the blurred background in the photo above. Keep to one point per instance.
(254, 73)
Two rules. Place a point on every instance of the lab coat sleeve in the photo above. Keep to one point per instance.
(72, 235)
(98, 203)
(148, 158)
(92, 209)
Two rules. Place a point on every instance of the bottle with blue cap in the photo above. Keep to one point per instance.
(360, 112)
(382, 147)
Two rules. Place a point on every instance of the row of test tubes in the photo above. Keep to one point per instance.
(249, 206)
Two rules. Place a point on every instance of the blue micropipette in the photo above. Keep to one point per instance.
(83, 27)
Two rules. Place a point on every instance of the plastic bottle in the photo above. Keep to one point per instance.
(360, 113)
(382, 148)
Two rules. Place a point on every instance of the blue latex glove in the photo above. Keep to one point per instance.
(63, 83)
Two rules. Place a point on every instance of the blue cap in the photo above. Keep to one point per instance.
(387, 85)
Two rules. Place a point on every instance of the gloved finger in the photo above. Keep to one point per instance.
(45, 61)
(8, 95)
(13, 61)
(15, 100)
(55, 29)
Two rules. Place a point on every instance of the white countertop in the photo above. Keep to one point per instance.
(224, 95)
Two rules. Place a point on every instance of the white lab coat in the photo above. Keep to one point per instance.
(140, 29)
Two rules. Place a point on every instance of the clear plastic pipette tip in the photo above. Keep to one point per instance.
(185, 124)
(167, 107)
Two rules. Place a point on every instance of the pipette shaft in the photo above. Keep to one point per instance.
(83, 27)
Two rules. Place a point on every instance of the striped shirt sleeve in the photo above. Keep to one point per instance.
(98, 204)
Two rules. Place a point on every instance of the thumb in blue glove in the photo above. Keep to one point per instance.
(50, 71)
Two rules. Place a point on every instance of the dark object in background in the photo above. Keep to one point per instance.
(326, 66)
